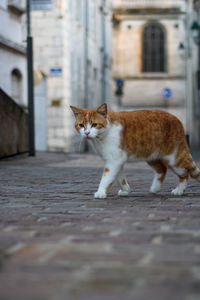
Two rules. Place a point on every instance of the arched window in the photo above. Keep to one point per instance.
(16, 85)
(154, 48)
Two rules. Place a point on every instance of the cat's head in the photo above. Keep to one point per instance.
(90, 123)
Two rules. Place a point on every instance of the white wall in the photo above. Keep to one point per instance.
(12, 33)
(59, 41)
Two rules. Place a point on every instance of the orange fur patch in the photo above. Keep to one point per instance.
(106, 170)
(147, 131)
(160, 168)
(181, 179)
(108, 187)
(123, 182)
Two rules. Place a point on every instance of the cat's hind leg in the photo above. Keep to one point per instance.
(125, 188)
(181, 187)
(181, 167)
(183, 174)
(160, 172)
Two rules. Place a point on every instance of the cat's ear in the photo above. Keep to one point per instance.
(76, 110)
(102, 110)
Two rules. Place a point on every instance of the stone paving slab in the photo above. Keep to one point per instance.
(57, 242)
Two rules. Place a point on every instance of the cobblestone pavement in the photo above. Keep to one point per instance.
(59, 243)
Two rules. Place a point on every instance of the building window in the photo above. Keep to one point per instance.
(16, 85)
(154, 48)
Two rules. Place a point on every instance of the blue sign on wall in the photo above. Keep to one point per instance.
(119, 82)
(55, 71)
(167, 92)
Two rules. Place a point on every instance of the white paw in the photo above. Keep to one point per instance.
(100, 194)
(180, 188)
(156, 186)
(177, 191)
(154, 189)
(123, 193)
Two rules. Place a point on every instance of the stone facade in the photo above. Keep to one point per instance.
(142, 88)
(72, 48)
(13, 78)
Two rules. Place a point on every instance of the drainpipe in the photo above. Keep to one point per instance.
(188, 80)
(29, 53)
(103, 32)
(85, 104)
(86, 86)
(198, 96)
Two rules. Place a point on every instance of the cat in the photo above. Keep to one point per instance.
(155, 136)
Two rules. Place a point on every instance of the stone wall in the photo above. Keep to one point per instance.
(13, 127)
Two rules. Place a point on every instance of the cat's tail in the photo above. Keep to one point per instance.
(194, 171)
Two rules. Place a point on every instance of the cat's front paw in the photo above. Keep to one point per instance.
(100, 194)
(156, 186)
(123, 193)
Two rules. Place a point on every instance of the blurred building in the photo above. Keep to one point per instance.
(72, 65)
(13, 79)
(146, 38)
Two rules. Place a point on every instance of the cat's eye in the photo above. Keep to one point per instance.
(81, 125)
(94, 124)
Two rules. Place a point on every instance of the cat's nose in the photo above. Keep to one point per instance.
(87, 133)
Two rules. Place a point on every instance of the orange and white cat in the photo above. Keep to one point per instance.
(152, 135)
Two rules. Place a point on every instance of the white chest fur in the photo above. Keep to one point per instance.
(108, 146)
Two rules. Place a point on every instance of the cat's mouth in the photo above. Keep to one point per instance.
(90, 137)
